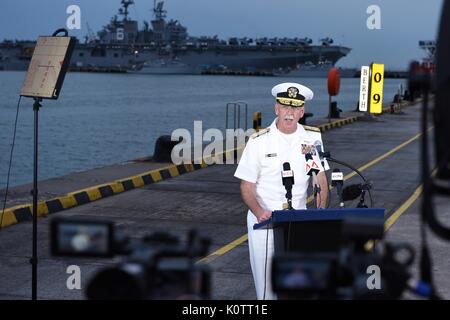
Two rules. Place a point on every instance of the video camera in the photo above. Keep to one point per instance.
(157, 266)
(353, 272)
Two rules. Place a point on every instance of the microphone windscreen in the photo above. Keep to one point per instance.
(318, 146)
(308, 156)
(351, 192)
(286, 166)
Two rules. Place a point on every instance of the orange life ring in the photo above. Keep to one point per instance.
(334, 82)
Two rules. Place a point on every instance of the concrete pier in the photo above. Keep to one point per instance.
(386, 151)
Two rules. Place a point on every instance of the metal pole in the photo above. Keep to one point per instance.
(34, 260)
(234, 116)
(329, 108)
(239, 116)
(226, 117)
(246, 117)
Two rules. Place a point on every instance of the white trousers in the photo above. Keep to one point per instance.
(261, 248)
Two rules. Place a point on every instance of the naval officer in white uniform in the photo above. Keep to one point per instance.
(260, 170)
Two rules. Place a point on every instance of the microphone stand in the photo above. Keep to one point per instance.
(316, 191)
(341, 200)
(289, 202)
(361, 203)
(289, 198)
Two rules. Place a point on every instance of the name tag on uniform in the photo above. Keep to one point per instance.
(271, 155)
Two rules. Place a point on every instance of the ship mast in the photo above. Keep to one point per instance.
(430, 48)
(158, 10)
(124, 10)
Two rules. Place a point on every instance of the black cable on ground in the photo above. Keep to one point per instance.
(10, 162)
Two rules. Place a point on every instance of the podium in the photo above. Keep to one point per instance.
(321, 230)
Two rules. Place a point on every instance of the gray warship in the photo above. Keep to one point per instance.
(165, 47)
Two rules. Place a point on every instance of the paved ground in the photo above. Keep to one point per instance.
(209, 201)
(407, 230)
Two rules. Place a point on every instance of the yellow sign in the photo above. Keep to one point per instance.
(376, 89)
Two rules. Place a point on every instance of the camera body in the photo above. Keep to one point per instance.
(158, 266)
(352, 272)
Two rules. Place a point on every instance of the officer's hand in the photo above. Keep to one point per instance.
(264, 215)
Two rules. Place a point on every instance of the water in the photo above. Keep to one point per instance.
(102, 119)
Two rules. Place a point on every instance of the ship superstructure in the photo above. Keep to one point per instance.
(164, 46)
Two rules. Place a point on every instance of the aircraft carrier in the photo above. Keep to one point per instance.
(164, 46)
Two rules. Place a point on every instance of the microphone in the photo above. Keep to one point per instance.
(287, 176)
(319, 149)
(311, 165)
(312, 169)
(337, 180)
(320, 152)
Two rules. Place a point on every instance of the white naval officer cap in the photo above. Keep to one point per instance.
(292, 94)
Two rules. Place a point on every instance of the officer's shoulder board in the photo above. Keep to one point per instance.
(308, 128)
(260, 133)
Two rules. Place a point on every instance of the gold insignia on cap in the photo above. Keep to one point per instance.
(290, 102)
(292, 92)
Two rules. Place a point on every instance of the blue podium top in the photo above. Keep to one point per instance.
(320, 215)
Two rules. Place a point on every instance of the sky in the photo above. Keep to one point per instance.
(403, 22)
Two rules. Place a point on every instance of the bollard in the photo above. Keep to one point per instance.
(334, 111)
(163, 149)
(257, 117)
(305, 116)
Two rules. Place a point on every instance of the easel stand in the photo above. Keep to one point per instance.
(44, 80)
(34, 259)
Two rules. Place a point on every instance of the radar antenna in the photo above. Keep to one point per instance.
(158, 10)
